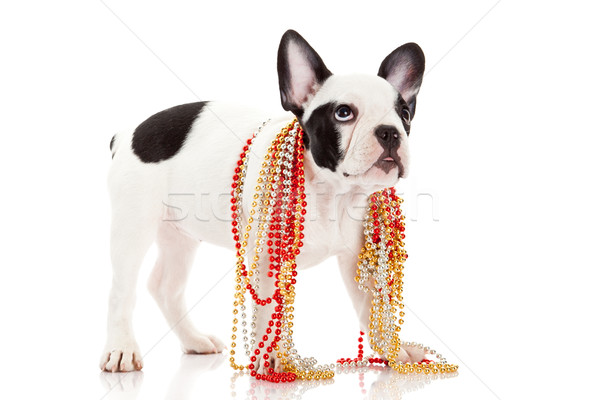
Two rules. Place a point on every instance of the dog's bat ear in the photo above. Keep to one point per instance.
(301, 71)
(404, 68)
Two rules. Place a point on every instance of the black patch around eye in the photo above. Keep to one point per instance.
(162, 135)
(324, 136)
(400, 105)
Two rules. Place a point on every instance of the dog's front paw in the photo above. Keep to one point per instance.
(411, 353)
(123, 357)
(196, 343)
(269, 366)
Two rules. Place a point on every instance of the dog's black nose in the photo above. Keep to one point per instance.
(388, 136)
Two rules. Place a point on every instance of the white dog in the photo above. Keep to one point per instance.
(356, 138)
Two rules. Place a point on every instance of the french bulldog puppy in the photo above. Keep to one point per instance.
(170, 183)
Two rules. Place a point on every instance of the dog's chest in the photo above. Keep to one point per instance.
(334, 226)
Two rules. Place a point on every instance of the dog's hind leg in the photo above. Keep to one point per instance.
(134, 223)
(136, 190)
(167, 285)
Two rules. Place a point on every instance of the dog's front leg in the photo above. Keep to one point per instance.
(362, 305)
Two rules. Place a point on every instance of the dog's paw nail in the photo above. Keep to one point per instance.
(124, 358)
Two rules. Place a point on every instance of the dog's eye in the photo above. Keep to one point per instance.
(344, 113)
(406, 115)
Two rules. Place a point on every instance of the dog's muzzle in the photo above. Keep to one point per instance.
(389, 138)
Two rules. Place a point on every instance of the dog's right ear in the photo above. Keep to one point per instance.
(301, 72)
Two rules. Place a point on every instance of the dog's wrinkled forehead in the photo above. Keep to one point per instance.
(371, 96)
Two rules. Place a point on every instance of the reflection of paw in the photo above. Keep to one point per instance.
(123, 357)
(122, 382)
(190, 370)
(197, 343)
(194, 363)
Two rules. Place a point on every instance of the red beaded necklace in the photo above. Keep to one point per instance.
(277, 215)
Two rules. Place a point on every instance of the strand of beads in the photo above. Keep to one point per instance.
(303, 368)
(238, 232)
(382, 262)
(279, 204)
(247, 280)
(360, 360)
(287, 177)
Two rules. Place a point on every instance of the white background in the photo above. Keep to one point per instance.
(503, 270)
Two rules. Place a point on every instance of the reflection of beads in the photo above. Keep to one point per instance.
(277, 214)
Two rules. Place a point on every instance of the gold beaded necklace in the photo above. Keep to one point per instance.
(279, 206)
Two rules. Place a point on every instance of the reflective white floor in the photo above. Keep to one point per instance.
(199, 376)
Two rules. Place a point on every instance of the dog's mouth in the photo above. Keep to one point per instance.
(387, 161)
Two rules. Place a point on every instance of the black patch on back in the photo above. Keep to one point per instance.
(162, 135)
(323, 136)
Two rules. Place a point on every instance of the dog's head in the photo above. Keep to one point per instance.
(356, 126)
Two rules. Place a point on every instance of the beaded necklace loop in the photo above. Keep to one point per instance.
(277, 217)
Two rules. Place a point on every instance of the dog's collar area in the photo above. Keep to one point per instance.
(277, 215)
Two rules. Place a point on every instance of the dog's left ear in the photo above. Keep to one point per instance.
(301, 71)
(404, 68)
